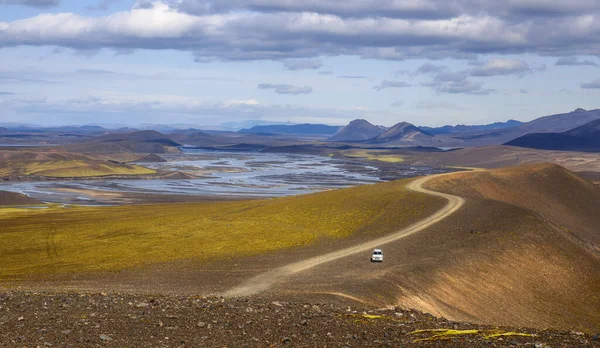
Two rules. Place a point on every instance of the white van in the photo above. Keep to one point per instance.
(377, 256)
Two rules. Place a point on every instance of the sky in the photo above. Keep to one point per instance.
(209, 62)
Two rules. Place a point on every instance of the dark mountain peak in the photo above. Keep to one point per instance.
(580, 110)
(357, 130)
(360, 121)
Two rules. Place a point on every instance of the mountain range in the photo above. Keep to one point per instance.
(582, 138)
(405, 133)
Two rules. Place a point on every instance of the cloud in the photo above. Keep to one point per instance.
(135, 109)
(573, 60)
(501, 66)
(34, 3)
(6, 93)
(303, 64)
(454, 82)
(415, 9)
(523, 91)
(286, 89)
(459, 87)
(281, 30)
(358, 77)
(397, 104)
(391, 84)
(591, 85)
(429, 68)
(103, 5)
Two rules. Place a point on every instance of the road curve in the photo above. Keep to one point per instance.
(265, 280)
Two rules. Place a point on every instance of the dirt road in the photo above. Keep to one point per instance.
(265, 280)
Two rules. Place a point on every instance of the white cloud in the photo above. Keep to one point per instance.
(303, 64)
(286, 89)
(501, 66)
(297, 32)
(391, 84)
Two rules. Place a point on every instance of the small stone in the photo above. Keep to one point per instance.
(539, 345)
(141, 305)
(399, 314)
(20, 318)
(249, 310)
(277, 303)
(65, 332)
(104, 337)
(286, 340)
(201, 324)
(304, 322)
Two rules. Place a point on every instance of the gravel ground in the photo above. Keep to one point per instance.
(33, 319)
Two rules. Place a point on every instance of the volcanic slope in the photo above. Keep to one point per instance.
(14, 198)
(357, 130)
(213, 242)
(523, 251)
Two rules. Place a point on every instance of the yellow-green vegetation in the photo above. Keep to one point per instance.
(72, 169)
(373, 155)
(445, 334)
(82, 239)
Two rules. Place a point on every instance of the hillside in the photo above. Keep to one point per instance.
(138, 142)
(298, 129)
(13, 198)
(584, 138)
(126, 320)
(548, 124)
(357, 130)
(403, 133)
(38, 165)
(523, 251)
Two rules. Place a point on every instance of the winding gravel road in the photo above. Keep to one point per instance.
(265, 280)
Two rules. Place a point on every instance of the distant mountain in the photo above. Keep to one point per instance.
(3, 130)
(357, 130)
(403, 133)
(584, 138)
(300, 129)
(147, 141)
(237, 125)
(466, 128)
(548, 124)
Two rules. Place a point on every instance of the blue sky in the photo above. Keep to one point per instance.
(205, 62)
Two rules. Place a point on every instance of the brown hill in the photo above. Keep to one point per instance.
(357, 130)
(151, 158)
(404, 133)
(138, 142)
(13, 198)
(523, 251)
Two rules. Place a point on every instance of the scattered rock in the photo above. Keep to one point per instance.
(286, 340)
(104, 337)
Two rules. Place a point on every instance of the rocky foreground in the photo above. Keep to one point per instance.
(115, 320)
